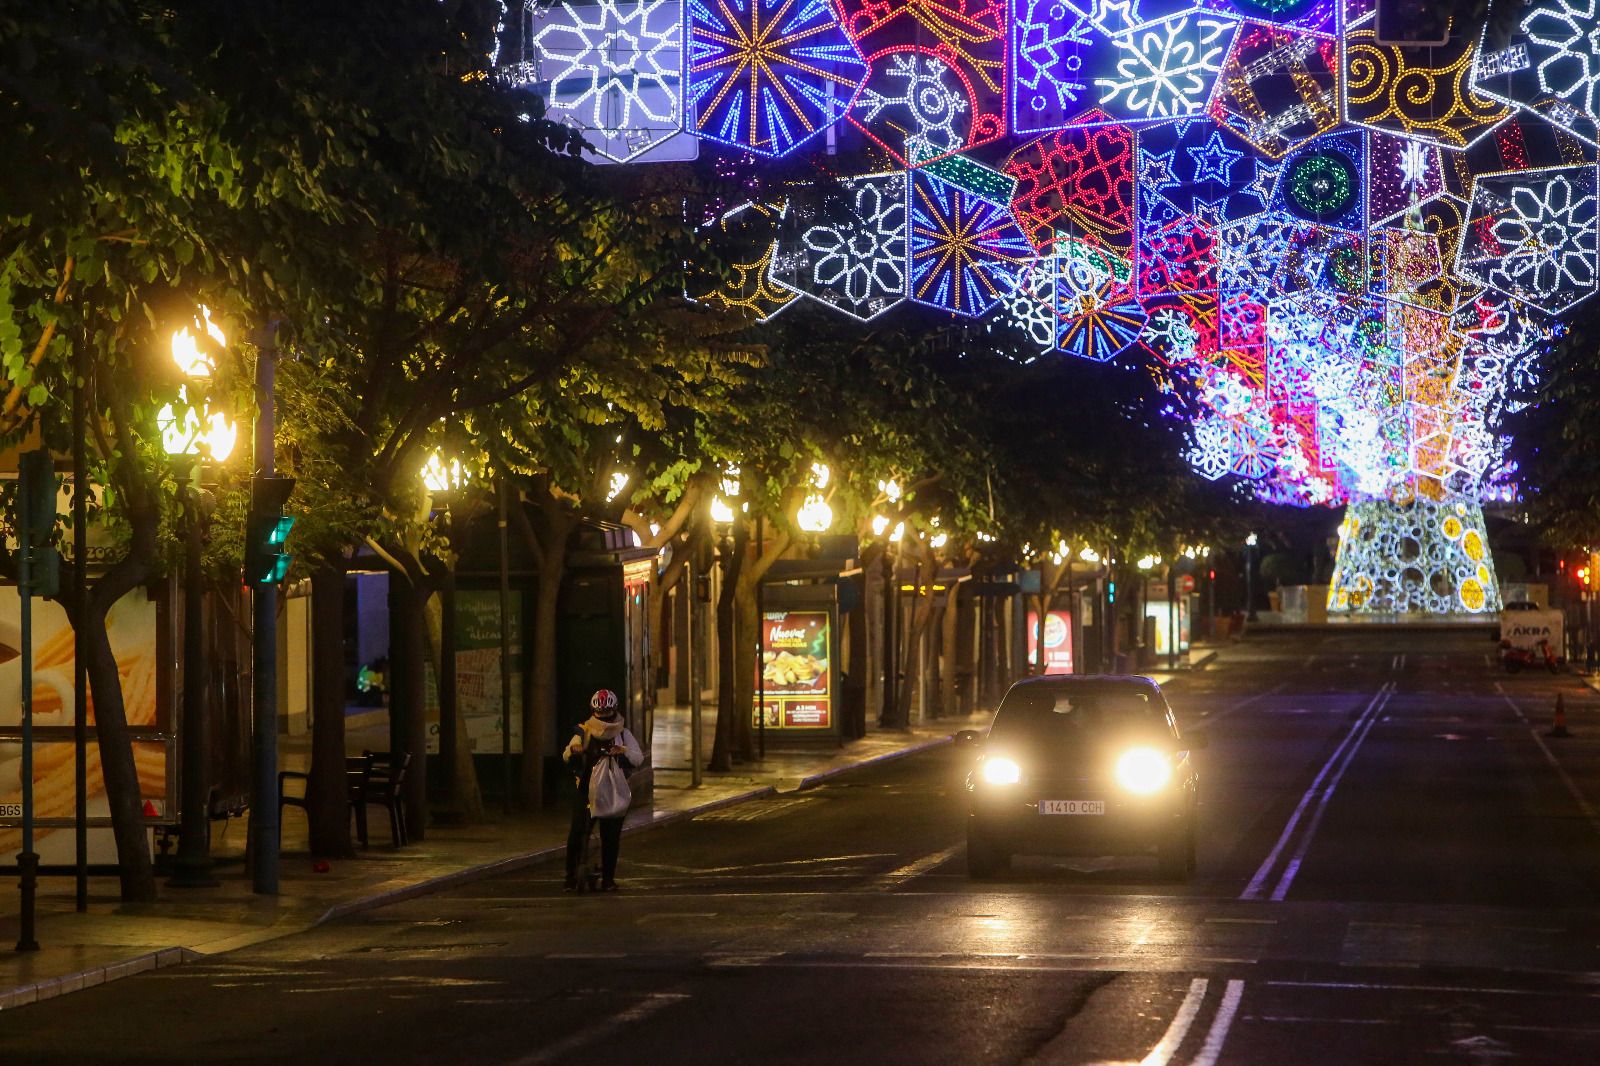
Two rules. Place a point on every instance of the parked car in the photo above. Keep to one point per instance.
(1082, 765)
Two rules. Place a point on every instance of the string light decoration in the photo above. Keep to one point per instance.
(847, 247)
(1386, 90)
(1351, 253)
(938, 74)
(748, 237)
(1550, 67)
(966, 250)
(612, 69)
(769, 75)
(1076, 183)
(1252, 98)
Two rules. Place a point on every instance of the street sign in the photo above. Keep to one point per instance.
(1185, 584)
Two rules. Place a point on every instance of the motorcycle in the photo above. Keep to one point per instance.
(1515, 658)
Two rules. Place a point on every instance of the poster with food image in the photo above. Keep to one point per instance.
(131, 626)
(1057, 641)
(795, 670)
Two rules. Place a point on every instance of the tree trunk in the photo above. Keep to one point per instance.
(947, 653)
(921, 613)
(455, 746)
(727, 664)
(136, 874)
(408, 722)
(327, 791)
(541, 709)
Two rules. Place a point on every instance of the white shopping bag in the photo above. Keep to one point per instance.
(609, 794)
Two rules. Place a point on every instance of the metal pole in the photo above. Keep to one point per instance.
(28, 861)
(1249, 583)
(890, 715)
(264, 620)
(505, 646)
(194, 859)
(695, 710)
(80, 599)
(761, 648)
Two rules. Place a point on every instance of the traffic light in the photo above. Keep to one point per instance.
(1582, 574)
(36, 511)
(267, 531)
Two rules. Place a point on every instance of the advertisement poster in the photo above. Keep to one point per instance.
(795, 670)
(1057, 641)
(1161, 611)
(478, 673)
(132, 627)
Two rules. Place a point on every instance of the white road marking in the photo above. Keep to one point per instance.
(1258, 882)
(1365, 986)
(1217, 1035)
(1578, 797)
(1162, 1053)
(601, 1028)
(913, 870)
(1242, 704)
(1281, 889)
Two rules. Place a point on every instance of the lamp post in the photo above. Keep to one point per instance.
(443, 480)
(189, 440)
(722, 517)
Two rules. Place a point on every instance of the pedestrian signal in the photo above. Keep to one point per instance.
(266, 558)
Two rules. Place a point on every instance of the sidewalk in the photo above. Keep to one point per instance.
(114, 940)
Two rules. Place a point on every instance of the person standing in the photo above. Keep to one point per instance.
(603, 735)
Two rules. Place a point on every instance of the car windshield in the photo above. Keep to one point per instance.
(1078, 712)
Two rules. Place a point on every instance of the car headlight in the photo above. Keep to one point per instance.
(1143, 770)
(998, 771)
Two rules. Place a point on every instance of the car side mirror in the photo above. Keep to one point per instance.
(1197, 741)
(968, 738)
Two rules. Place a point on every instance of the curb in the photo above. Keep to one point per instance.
(53, 987)
(890, 756)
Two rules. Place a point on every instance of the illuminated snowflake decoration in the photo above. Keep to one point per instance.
(613, 70)
(916, 106)
(1534, 236)
(1166, 69)
(1052, 42)
(850, 251)
(769, 75)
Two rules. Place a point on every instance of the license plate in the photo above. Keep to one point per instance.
(1072, 806)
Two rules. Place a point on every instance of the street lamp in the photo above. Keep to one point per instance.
(198, 435)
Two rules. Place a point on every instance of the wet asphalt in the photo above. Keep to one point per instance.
(1396, 865)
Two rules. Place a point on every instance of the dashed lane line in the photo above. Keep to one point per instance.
(601, 1028)
(913, 870)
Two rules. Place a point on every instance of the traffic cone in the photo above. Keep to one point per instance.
(1558, 728)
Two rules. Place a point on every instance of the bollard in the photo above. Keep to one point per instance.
(28, 867)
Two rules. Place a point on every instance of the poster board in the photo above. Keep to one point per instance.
(796, 676)
(133, 627)
(478, 673)
(1057, 641)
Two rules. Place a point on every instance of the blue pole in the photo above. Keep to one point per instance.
(28, 861)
